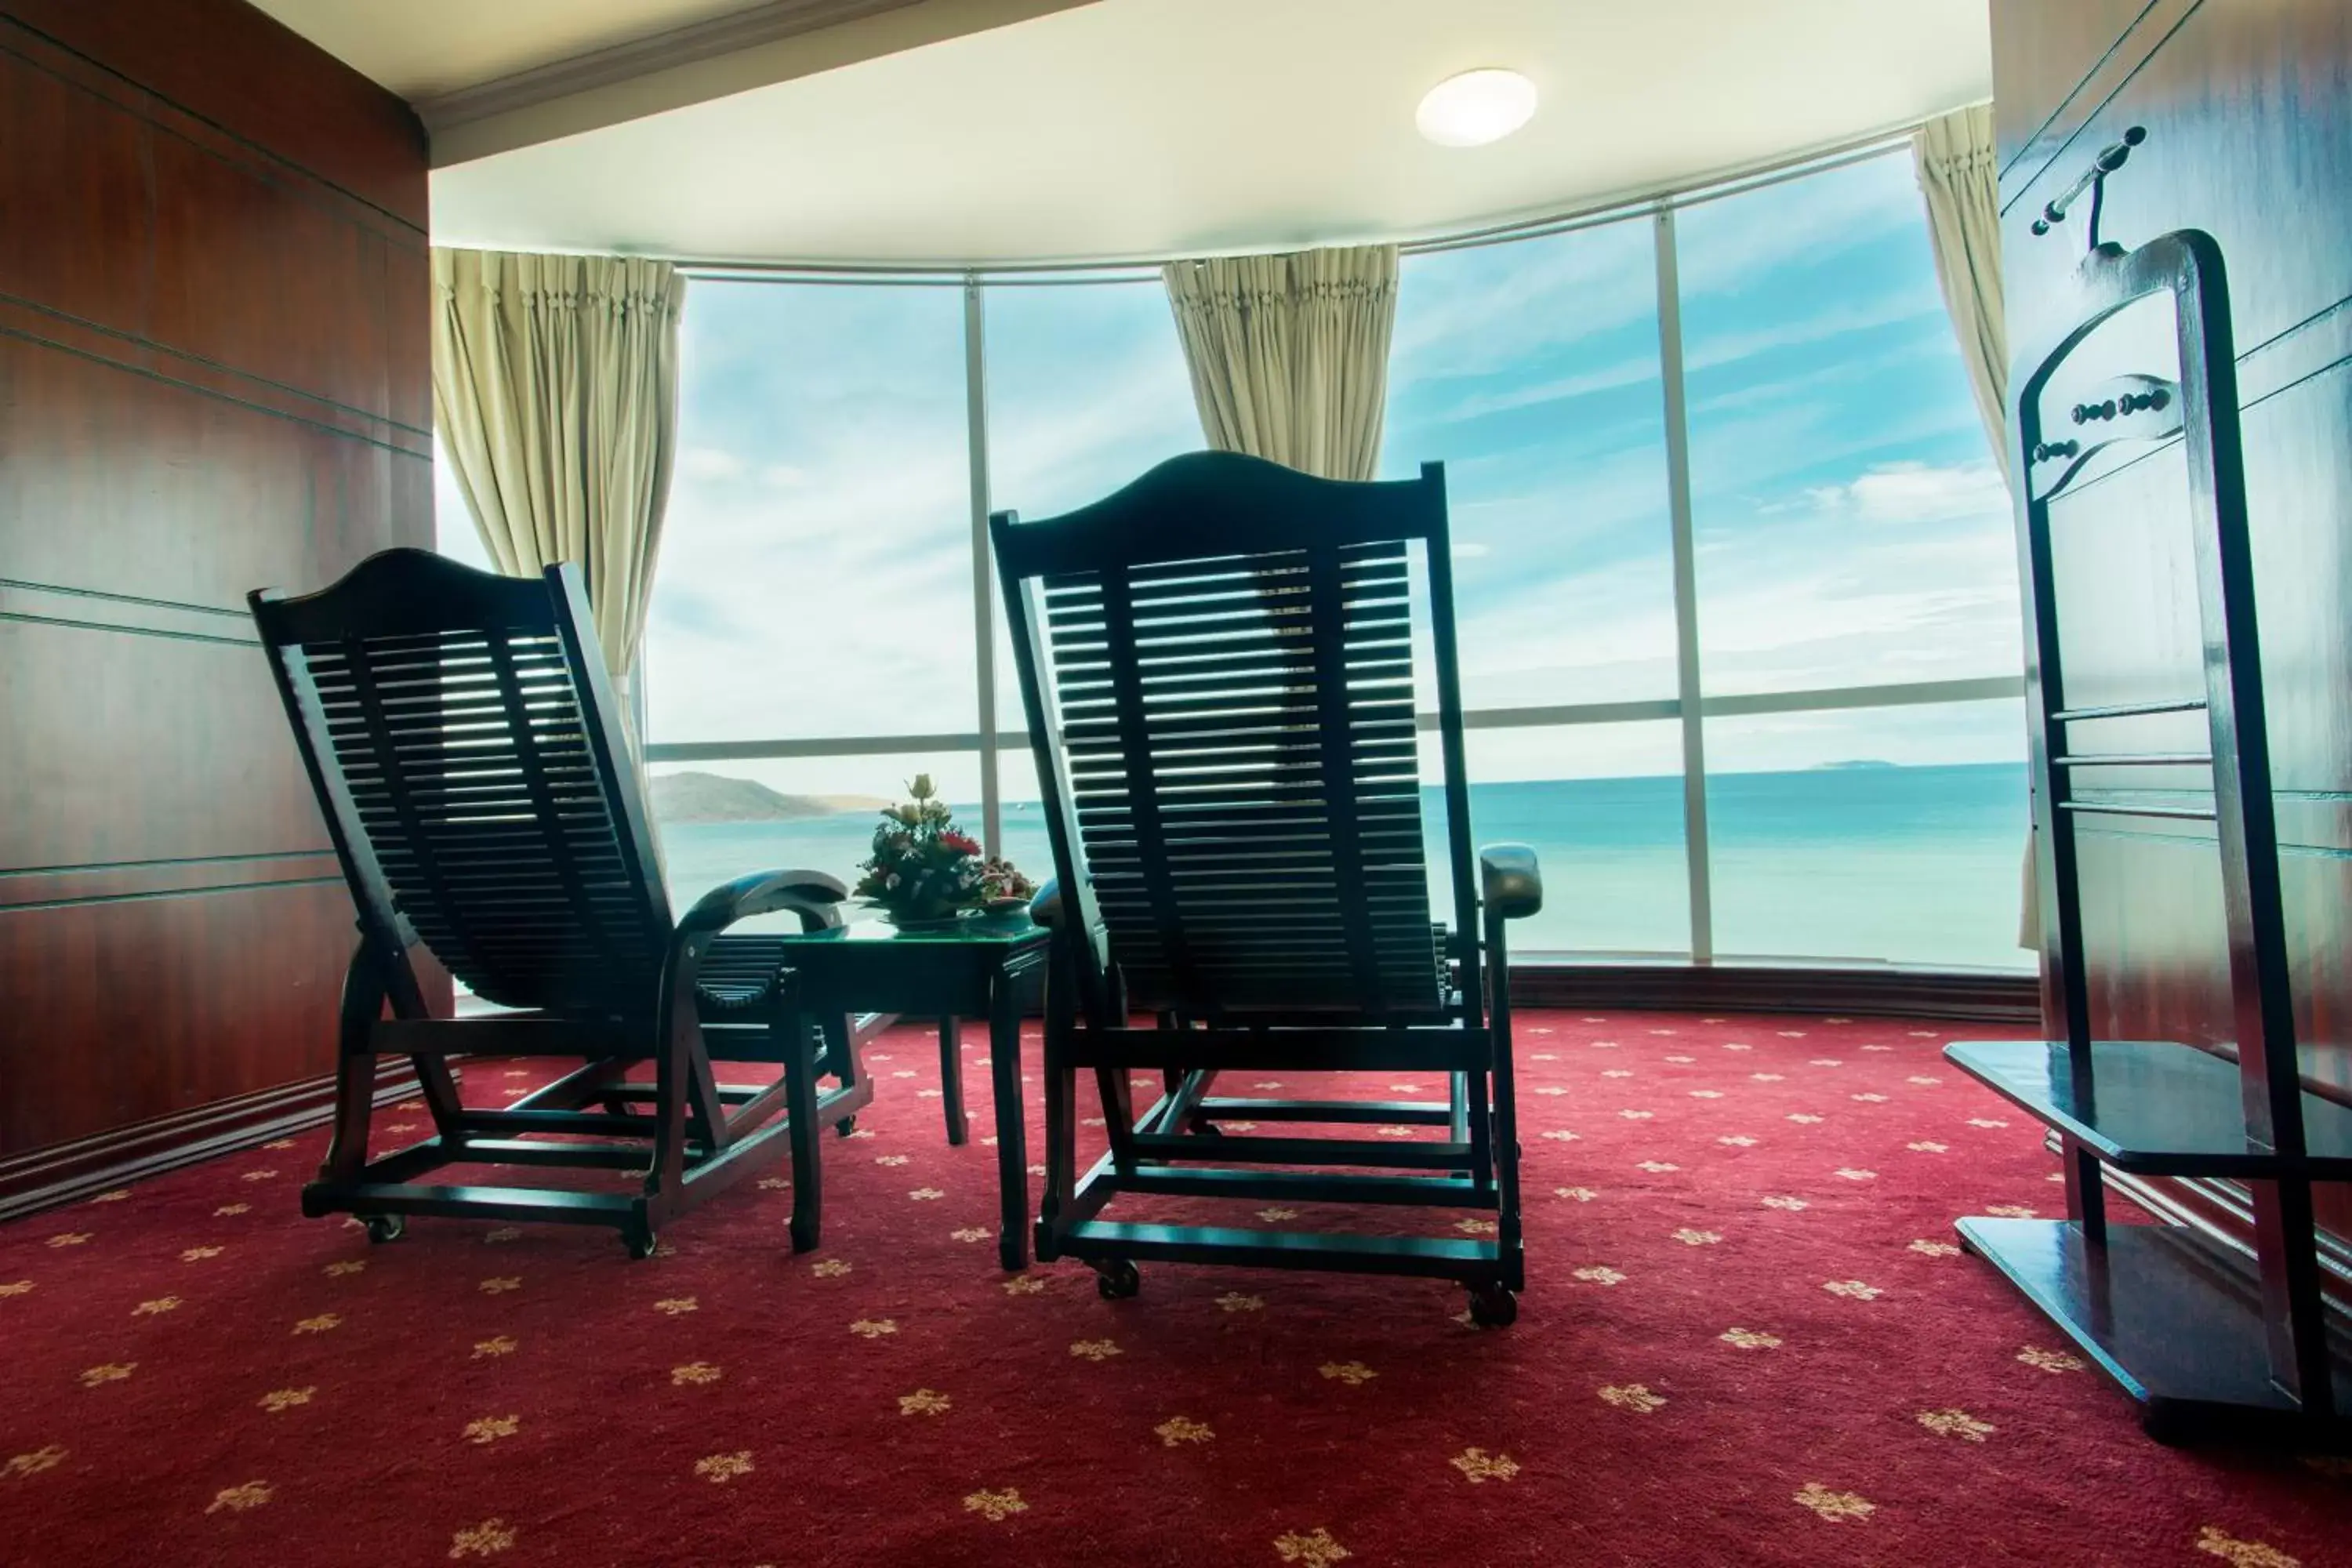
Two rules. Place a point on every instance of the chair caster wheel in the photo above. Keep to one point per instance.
(845, 1126)
(640, 1243)
(1492, 1307)
(382, 1227)
(1118, 1282)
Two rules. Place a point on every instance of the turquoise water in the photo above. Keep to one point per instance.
(1906, 864)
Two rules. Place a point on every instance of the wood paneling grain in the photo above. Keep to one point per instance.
(148, 1007)
(104, 778)
(2053, 65)
(2247, 103)
(204, 495)
(233, 66)
(67, 1173)
(214, 376)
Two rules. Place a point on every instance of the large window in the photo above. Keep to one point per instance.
(1531, 371)
(1853, 535)
(1780, 722)
(815, 572)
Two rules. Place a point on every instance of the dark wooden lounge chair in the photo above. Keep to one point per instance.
(462, 735)
(1218, 670)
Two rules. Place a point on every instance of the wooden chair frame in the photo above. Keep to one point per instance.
(391, 740)
(1231, 521)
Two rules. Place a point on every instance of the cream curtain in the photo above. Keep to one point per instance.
(1289, 353)
(555, 392)
(1959, 176)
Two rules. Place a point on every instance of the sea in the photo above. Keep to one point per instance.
(1916, 865)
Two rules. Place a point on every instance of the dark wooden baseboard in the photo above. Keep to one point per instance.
(1891, 993)
(63, 1172)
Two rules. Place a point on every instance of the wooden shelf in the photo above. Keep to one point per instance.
(2155, 1108)
(2172, 1316)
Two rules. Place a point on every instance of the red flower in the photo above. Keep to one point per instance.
(960, 843)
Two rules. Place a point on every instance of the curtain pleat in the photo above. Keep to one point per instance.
(555, 393)
(1959, 176)
(1289, 353)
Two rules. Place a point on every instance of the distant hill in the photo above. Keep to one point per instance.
(711, 797)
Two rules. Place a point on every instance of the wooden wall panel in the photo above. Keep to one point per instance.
(172, 1001)
(2051, 65)
(214, 376)
(2247, 106)
(2225, 88)
(183, 476)
(226, 64)
(98, 781)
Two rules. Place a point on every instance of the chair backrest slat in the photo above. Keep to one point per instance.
(1218, 667)
(460, 731)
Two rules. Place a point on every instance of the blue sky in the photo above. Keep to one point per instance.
(817, 572)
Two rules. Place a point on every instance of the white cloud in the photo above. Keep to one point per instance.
(1914, 492)
(709, 463)
(1629, 373)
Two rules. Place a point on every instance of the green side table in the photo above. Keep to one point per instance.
(972, 969)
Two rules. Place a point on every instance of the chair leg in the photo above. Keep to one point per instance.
(1012, 1132)
(675, 1045)
(1061, 1114)
(1508, 1243)
(800, 1107)
(1119, 1116)
(1476, 1087)
(952, 1078)
(364, 993)
(842, 1057)
(1171, 1078)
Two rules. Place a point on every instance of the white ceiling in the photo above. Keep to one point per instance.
(423, 49)
(1143, 127)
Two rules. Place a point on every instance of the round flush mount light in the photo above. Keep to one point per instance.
(1476, 108)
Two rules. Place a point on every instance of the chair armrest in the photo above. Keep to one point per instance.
(814, 896)
(1045, 908)
(1510, 883)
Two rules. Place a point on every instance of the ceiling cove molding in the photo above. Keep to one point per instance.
(774, 41)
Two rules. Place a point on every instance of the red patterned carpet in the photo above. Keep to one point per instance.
(1746, 1340)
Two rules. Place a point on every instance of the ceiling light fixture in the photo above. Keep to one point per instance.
(1476, 108)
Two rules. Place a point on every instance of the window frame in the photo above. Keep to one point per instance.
(1691, 707)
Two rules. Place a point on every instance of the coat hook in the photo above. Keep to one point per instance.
(2095, 180)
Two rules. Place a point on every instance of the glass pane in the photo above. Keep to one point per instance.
(815, 573)
(454, 534)
(719, 821)
(1087, 389)
(1853, 528)
(1602, 805)
(1531, 370)
(1896, 834)
(1023, 840)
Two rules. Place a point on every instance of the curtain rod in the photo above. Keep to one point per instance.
(1692, 192)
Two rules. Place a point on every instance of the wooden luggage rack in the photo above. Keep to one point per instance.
(2204, 1336)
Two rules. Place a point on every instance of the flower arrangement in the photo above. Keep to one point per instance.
(922, 872)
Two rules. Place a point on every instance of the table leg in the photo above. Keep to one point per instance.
(952, 1078)
(1012, 1139)
(800, 1105)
